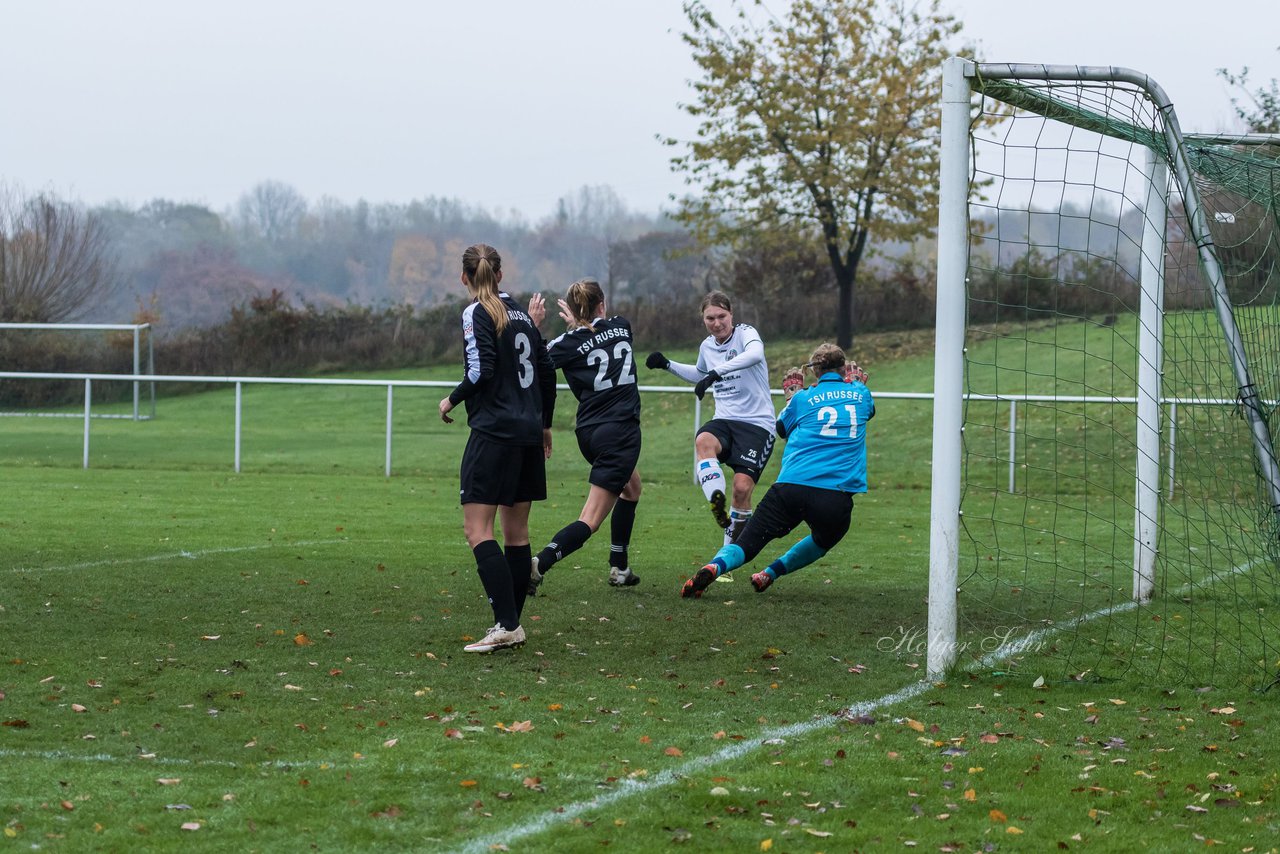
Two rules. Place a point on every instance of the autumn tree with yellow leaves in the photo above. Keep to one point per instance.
(824, 122)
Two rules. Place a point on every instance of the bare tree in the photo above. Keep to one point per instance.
(273, 210)
(56, 260)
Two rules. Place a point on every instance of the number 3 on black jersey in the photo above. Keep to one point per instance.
(600, 358)
(524, 349)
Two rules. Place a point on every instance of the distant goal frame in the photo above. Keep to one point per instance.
(137, 330)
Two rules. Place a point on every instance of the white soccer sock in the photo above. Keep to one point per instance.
(710, 478)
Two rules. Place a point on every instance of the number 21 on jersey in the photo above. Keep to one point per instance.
(829, 417)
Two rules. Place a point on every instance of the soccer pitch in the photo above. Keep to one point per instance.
(272, 661)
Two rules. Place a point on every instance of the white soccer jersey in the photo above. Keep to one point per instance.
(743, 391)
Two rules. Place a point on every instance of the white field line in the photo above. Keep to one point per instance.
(178, 555)
(64, 756)
(627, 788)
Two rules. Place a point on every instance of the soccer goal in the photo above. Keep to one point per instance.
(118, 348)
(1105, 487)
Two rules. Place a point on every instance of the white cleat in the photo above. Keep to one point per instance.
(497, 638)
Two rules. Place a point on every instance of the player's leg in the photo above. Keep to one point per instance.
(775, 517)
(487, 481)
(613, 450)
(744, 484)
(516, 549)
(495, 576)
(827, 513)
(574, 536)
(709, 446)
(622, 521)
(749, 453)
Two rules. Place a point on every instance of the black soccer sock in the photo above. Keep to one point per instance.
(570, 538)
(621, 522)
(518, 561)
(495, 575)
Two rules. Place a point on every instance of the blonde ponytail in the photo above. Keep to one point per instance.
(482, 266)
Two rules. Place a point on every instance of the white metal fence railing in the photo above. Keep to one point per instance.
(390, 385)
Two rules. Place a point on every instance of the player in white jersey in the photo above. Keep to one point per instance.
(731, 363)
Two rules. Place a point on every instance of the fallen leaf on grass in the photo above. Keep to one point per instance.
(453, 733)
(821, 833)
(17, 723)
(467, 784)
(301, 639)
(169, 781)
(673, 751)
(210, 637)
(191, 825)
(390, 742)
(996, 815)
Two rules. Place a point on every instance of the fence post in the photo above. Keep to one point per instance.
(388, 467)
(137, 365)
(697, 422)
(1013, 440)
(237, 428)
(88, 397)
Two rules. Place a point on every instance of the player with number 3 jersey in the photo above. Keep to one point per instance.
(510, 391)
(597, 357)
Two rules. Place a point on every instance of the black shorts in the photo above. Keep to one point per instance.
(613, 449)
(745, 448)
(785, 505)
(500, 473)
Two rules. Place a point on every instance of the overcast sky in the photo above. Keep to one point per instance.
(506, 104)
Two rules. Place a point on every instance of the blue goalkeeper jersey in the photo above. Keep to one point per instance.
(824, 426)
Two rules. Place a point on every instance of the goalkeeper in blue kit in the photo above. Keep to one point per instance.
(823, 467)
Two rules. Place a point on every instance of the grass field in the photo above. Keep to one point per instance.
(271, 661)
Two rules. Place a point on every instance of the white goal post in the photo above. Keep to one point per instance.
(955, 241)
(138, 331)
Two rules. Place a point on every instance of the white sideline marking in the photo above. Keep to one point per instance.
(626, 788)
(183, 554)
(64, 756)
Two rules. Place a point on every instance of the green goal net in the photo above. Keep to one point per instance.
(1118, 491)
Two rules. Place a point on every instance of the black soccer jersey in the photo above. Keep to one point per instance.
(599, 366)
(510, 386)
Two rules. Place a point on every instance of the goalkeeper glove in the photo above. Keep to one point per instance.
(657, 361)
(793, 381)
(854, 374)
(705, 383)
